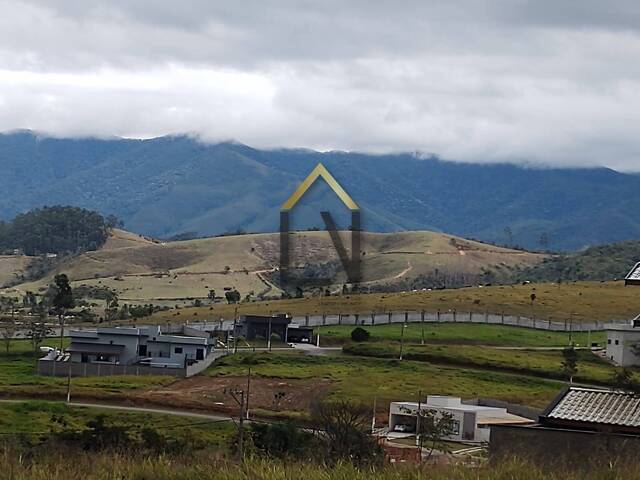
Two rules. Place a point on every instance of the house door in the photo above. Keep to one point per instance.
(142, 350)
(199, 354)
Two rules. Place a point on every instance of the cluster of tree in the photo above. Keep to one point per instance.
(98, 434)
(340, 432)
(57, 229)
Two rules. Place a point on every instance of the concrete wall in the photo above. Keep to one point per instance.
(550, 447)
(61, 369)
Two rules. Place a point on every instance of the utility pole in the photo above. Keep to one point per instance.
(404, 325)
(418, 415)
(235, 321)
(269, 335)
(248, 393)
(239, 397)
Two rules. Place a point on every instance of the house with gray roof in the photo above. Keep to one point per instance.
(581, 426)
(133, 350)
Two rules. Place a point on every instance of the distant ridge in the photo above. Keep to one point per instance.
(172, 185)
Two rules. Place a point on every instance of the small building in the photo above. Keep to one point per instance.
(623, 343)
(472, 423)
(259, 326)
(580, 427)
(97, 352)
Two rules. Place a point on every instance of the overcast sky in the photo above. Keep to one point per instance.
(552, 82)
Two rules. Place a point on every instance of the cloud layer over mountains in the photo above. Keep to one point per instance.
(542, 82)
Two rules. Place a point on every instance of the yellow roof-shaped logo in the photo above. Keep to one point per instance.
(319, 171)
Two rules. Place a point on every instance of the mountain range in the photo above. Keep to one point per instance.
(178, 185)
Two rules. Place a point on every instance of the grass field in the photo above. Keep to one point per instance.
(364, 379)
(543, 363)
(571, 302)
(452, 333)
(36, 418)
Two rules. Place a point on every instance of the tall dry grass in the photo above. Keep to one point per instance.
(76, 465)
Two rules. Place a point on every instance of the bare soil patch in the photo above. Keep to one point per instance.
(208, 393)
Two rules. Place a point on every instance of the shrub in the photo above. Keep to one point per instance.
(359, 334)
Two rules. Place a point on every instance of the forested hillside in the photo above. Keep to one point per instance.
(168, 186)
(602, 262)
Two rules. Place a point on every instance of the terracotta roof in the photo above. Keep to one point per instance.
(597, 406)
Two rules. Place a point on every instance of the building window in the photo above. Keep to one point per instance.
(103, 358)
(177, 350)
(609, 341)
(617, 342)
(455, 427)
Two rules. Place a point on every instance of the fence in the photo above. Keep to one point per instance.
(428, 317)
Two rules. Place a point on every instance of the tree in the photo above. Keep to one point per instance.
(623, 380)
(7, 331)
(282, 440)
(433, 427)
(113, 222)
(570, 362)
(346, 427)
(359, 334)
(38, 331)
(111, 310)
(62, 301)
(232, 296)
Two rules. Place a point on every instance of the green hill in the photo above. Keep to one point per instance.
(602, 262)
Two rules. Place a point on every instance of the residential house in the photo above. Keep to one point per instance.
(471, 422)
(580, 427)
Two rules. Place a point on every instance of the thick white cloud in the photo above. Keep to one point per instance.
(541, 82)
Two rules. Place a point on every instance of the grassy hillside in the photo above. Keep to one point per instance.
(588, 301)
(141, 270)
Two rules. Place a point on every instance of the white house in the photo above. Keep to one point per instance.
(621, 343)
(471, 422)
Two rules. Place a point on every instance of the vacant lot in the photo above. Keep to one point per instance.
(364, 379)
(452, 333)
